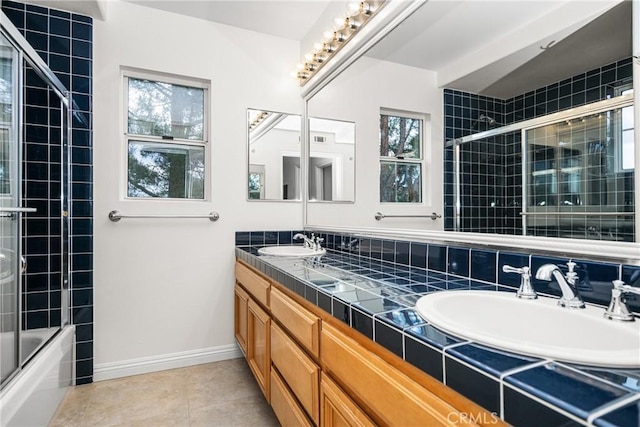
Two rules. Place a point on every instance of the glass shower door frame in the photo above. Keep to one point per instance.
(26, 55)
(11, 215)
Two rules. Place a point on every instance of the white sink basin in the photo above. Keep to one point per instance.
(534, 327)
(291, 251)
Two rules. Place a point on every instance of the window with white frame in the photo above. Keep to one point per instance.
(166, 137)
(628, 142)
(401, 136)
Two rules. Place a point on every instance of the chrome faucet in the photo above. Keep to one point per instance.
(570, 297)
(618, 309)
(308, 243)
(317, 240)
(526, 290)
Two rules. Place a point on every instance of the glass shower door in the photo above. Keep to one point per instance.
(10, 211)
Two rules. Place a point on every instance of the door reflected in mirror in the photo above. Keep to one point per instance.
(331, 160)
(274, 155)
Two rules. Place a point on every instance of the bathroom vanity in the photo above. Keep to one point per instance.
(341, 337)
(315, 370)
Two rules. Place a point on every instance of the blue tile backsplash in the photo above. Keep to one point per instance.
(379, 303)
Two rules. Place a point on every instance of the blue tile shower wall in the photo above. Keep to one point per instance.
(491, 170)
(64, 40)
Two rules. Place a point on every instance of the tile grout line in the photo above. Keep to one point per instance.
(610, 407)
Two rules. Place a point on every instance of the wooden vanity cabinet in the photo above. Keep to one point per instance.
(316, 371)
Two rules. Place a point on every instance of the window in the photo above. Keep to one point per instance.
(628, 154)
(166, 138)
(400, 158)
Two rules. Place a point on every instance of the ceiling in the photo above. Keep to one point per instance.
(451, 37)
(290, 19)
(443, 34)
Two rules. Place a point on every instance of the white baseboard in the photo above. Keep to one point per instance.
(144, 365)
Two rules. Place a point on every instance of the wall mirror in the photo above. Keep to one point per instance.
(536, 62)
(274, 155)
(331, 160)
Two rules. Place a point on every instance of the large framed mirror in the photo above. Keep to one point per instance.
(274, 150)
(331, 160)
(488, 94)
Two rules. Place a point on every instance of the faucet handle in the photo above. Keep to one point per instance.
(618, 309)
(520, 270)
(525, 291)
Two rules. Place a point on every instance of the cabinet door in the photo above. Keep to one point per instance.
(284, 405)
(337, 409)
(298, 370)
(241, 301)
(259, 345)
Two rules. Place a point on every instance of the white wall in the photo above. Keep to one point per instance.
(269, 151)
(357, 95)
(164, 288)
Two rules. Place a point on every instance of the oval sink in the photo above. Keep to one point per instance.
(291, 251)
(534, 327)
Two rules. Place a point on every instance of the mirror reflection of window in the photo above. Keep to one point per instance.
(274, 155)
(628, 142)
(331, 160)
(256, 182)
(577, 166)
(400, 158)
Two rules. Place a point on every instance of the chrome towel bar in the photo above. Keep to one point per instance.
(116, 216)
(433, 216)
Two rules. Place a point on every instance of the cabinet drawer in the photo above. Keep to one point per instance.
(391, 397)
(303, 325)
(337, 409)
(285, 405)
(298, 370)
(257, 286)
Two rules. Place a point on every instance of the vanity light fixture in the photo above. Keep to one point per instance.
(258, 119)
(358, 14)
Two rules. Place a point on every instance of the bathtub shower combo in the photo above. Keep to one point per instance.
(36, 338)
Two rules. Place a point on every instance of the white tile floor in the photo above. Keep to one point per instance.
(216, 394)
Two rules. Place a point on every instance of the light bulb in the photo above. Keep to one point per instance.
(308, 57)
(365, 8)
(317, 46)
(339, 36)
(354, 8)
(300, 66)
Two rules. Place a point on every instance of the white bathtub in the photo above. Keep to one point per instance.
(33, 395)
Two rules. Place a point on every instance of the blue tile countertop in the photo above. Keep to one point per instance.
(377, 298)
